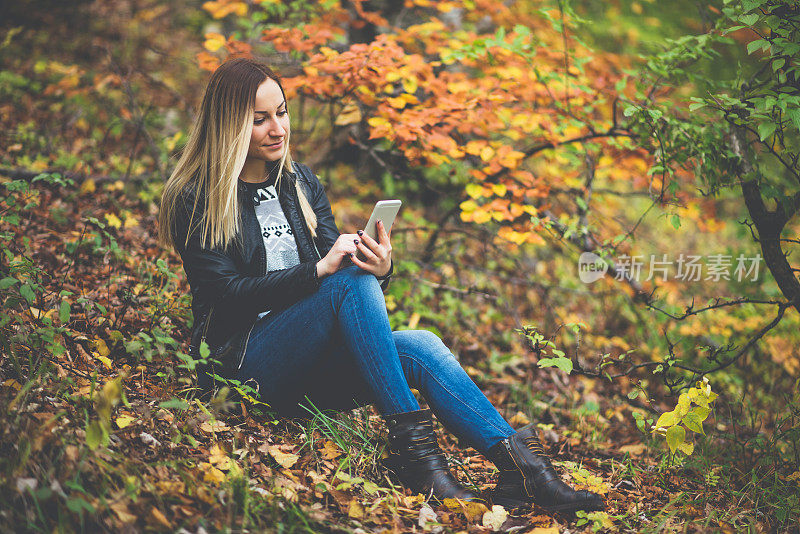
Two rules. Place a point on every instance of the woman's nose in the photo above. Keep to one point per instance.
(277, 130)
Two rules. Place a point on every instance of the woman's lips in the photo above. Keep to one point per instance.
(275, 145)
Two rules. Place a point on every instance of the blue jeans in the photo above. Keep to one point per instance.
(336, 347)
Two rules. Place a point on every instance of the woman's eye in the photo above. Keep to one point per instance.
(281, 113)
(258, 121)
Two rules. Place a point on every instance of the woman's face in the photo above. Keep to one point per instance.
(270, 124)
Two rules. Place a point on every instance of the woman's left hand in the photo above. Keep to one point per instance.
(377, 254)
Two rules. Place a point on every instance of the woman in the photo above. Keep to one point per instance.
(285, 304)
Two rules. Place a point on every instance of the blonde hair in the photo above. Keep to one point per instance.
(215, 154)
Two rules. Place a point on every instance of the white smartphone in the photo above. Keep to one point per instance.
(384, 210)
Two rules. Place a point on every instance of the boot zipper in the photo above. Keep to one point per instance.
(521, 471)
(244, 350)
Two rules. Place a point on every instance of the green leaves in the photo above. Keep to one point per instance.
(749, 20)
(765, 129)
(673, 424)
(7, 282)
(26, 291)
(95, 435)
(565, 364)
(174, 404)
(63, 311)
(675, 436)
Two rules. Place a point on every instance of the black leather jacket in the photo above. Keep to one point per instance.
(231, 287)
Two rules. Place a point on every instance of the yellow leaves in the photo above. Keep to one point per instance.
(113, 220)
(285, 460)
(475, 147)
(471, 510)
(355, 510)
(350, 114)
(214, 41)
(592, 482)
(486, 153)
(219, 458)
(474, 191)
(599, 520)
(509, 158)
(223, 8)
(460, 87)
(509, 234)
(673, 424)
(410, 84)
(330, 451)
(130, 219)
(88, 186)
(399, 102)
(380, 127)
(675, 436)
(667, 419)
(218, 462)
(125, 420)
(211, 474)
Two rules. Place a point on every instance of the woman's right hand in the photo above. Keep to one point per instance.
(344, 246)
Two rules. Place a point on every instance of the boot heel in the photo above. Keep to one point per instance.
(417, 461)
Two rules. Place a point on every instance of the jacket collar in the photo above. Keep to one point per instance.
(288, 178)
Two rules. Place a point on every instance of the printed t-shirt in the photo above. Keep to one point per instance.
(278, 238)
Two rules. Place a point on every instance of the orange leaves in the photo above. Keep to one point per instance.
(213, 43)
(303, 38)
(223, 8)
(505, 93)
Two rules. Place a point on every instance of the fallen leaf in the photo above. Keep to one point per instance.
(160, 518)
(125, 420)
(356, 511)
(519, 419)
(286, 460)
(148, 439)
(123, 513)
(330, 450)
(495, 518)
(634, 450)
(26, 484)
(219, 458)
(214, 426)
(211, 474)
(474, 510)
(426, 516)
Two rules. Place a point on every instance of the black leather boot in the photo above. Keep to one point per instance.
(527, 476)
(417, 460)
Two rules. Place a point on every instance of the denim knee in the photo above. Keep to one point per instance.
(425, 346)
(354, 276)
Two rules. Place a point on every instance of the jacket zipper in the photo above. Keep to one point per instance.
(250, 331)
(264, 272)
(205, 330)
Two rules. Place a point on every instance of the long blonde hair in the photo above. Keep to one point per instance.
(215, 154)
